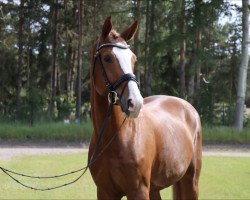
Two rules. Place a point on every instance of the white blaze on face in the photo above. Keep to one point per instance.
(124, 57)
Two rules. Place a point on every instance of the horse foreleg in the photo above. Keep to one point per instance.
(155, 195)
(141, 193)
(104, 194)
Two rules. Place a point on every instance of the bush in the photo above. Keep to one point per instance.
(47, 131)
(224, 134)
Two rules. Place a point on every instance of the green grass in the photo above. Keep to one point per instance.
(221, 178)
(225, 178)
(81, 132)
(46, 131)
(223, 134)
(47, 165)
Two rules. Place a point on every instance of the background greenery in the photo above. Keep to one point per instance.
(211, 31)
(221, 178)
(81, 132)
(49, 131)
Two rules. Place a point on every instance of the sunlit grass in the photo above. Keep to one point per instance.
(221, 178)
(225, 178)
(44, 166)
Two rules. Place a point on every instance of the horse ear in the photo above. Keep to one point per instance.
(107, 27)
(129, 33)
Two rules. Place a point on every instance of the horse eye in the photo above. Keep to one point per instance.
(107, 59)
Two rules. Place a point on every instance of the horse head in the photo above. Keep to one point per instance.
(113, 69)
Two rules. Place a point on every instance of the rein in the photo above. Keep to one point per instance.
(92, 160)
(113, 99)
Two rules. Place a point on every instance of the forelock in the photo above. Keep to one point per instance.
(115, 37)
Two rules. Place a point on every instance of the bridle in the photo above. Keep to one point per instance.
(113, 97)
(112, 94)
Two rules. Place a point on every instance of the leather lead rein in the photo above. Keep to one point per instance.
(91, 161)
(113, 99)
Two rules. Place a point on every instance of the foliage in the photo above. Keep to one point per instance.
(49, 131)
(225, 134)
(33, 105)
(158, 55)
(61, 131)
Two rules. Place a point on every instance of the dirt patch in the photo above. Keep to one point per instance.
(227, 150)
(11, 149)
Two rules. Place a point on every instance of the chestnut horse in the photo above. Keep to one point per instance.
(160, 142)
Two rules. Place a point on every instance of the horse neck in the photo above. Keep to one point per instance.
(99, 108)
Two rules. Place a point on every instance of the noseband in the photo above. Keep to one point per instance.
(112, 95)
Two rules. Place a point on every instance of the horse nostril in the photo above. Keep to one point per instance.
(130, 104)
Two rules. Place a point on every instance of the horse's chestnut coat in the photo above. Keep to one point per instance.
(161, 145)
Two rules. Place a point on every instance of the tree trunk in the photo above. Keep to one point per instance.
(69, 70)
(94, 20)
(72, 74)
(149, 35)
(198, 72)
(194, 87)
(20, 59)
(183, 52)
(242, 76)
(146, 52)
(192, 72)
(79, 60)
(54, 60)
(151, 38)
(136, 39)
(191, 88)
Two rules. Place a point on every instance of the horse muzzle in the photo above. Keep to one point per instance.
(132, 105)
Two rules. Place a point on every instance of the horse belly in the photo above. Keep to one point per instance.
(172, 161)
(166, 175)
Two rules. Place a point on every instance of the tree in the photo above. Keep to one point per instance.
(43, 66)
(79, 60)
(53, 83)
(137, 4)
(149, 35)
(242, 76)
(183, 50)
(20, 58)
(146, 52)
(196, 64)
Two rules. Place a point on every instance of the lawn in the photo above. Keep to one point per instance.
(222, 178)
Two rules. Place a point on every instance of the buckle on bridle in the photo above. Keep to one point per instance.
(113, 97)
